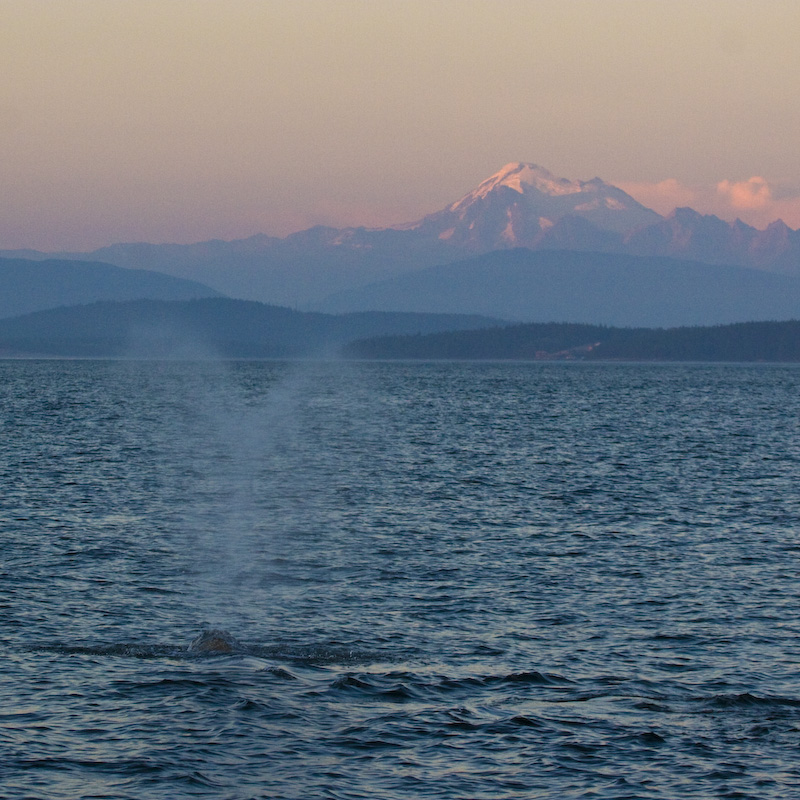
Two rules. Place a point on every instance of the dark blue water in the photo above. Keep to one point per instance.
(439, 580)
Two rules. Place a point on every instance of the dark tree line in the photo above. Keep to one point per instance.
(747, 341)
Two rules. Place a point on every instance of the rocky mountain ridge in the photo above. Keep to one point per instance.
(522, 205)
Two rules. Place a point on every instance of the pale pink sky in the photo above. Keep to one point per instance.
(184, 120)
(753, 200)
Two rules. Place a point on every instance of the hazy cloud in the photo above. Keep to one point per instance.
(753, 193)
(754, 200)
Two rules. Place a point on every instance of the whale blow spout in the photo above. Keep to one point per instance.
(215, 641)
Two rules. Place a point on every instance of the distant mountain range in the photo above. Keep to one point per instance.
(522, 205)
(27, 286)
(524, 245)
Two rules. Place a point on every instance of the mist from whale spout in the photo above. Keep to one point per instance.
(245, 420)
(215, 641)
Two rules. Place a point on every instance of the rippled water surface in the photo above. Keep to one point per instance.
(436, 580)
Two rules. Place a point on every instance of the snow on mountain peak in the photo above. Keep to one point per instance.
(519, 176)
(519, 203)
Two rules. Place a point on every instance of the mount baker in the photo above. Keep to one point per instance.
(522, 205)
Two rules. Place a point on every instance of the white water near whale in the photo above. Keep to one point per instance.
(452, 580)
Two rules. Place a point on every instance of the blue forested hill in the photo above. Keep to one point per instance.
(589, 288)
(207, 327)
(27, 285)
(747, 341)
(222, 327)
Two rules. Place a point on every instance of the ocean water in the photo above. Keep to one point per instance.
(435, 580)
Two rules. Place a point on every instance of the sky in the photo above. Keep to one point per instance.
(187, 120)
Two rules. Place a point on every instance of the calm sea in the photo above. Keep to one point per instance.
(438, 580)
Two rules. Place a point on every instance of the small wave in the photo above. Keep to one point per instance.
(401, 686)
(526, 721)
(386, 687)
(279, 672)
(156, 590)
(748, 700)
(531, 677)
(534, 677)
(136, 767)
(651, 705)
(214, 644)
(315, 654)
(124, 650)
(676, 637)
(647, 738)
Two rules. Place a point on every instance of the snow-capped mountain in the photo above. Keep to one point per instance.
(518, 205)
(522, 205)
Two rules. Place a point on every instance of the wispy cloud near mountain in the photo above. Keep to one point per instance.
(754, 200)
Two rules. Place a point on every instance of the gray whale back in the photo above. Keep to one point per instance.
(215, 641)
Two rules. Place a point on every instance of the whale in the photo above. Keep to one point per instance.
(215, 641)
